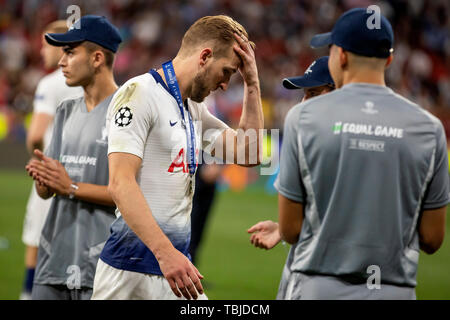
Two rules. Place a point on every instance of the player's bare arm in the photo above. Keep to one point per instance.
(432, 229)
(182, 275)
(290, 217)
(252, 115)
(265, 234)
(54, 179)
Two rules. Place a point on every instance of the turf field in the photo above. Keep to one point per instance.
(233, 269)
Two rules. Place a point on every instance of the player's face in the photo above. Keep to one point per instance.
(316, 91)
(216, 74)
(76, 65)
(50, 54)
(334, 66)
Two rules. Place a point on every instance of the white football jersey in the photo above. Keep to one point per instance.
(144, 119)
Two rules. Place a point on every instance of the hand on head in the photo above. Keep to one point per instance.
(248, 68)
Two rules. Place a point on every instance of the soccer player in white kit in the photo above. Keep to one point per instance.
(50, 92)
(155, 125)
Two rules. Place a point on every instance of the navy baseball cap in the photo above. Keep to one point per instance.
(89, 28)
(316, 75)
(354, 31)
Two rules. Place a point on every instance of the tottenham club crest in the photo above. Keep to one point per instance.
(123, 117)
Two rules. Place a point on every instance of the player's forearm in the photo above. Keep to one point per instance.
(94, 193)
(431, 229)
(252, 116)
(252, 113)
(289, 229)
(248, 138)
(138, 216)
(290, 219)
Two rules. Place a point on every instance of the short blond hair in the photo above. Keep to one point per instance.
(218, 29)
(58, 26)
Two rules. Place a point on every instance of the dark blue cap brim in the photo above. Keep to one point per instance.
(62, 39)
(301, 82)
(321, 40)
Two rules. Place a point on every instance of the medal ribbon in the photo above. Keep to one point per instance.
(172, 84)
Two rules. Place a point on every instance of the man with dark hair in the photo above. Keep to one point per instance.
(75, 168)
(155, 135)
(363, 181)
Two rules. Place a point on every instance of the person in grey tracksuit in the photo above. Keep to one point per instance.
(363, 181)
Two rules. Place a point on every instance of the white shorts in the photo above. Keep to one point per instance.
(37, 210)
(116, 284)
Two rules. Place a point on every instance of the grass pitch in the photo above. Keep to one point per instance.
(233, 269)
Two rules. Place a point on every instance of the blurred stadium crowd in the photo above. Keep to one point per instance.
(281, 30)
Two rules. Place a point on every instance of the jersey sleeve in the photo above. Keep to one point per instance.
(45, 98)
(437, 193)
(129, 120)
(289, 183)
(212, 127)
